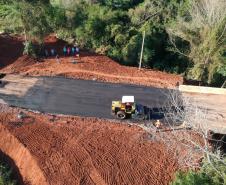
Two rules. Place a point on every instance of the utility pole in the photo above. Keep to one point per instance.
(142, 49)
(223, 84)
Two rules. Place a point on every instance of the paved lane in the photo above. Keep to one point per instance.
(74, 97)
(90, 98)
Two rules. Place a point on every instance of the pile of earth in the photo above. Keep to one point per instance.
(58, 150)
(89, 66)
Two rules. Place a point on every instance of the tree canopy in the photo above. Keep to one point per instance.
(185, 37)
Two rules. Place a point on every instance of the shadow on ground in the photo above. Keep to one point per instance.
(11, 49)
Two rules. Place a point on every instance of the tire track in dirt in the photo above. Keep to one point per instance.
(73, 150)
(22, 158)
(84, 156)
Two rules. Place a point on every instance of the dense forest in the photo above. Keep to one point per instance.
(185, 37)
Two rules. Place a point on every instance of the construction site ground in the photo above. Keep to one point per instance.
(54, 149)
(213, 107)
(58, 150)
(60, 95)
(90, 65)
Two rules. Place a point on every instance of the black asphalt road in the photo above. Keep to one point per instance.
(74, 97)
(93, 99)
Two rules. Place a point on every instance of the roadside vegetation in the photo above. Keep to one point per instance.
(185, 37)
(208, 175)
(6, 175)
(210, 168)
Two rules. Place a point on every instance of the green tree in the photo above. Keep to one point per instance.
(27, 18)
(204, 29)
(120, 4)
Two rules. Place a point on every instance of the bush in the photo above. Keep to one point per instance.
(209, 174)
(192, 178)
(5, 175)
(216, 170)
(29, 49)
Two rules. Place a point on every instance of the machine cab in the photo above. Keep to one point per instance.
(124, 108)
(128, 104)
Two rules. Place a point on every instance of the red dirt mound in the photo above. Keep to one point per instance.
(72, 150)
(29, 170)
(20, 64)
(11, 48)
(90, 66)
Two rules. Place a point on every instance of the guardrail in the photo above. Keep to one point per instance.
(202, 89)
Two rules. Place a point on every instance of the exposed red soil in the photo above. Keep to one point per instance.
(29, 168)
(11, 48)
(90, 66)
(71, 150)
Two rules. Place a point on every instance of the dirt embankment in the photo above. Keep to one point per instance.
(90, 66)
(28, 167)
(73, 150)
(11, 48)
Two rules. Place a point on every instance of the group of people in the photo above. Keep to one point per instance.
(52, 53)
(71, 51)
(67, 51)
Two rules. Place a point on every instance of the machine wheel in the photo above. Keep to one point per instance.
(121, 115)
(141, 118)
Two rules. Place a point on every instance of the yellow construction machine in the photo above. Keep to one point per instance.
(127, 108)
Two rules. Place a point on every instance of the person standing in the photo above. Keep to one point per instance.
(46, 53)
(77, 52)
(58, 58)
(73, 50)
(65, 51)
(157, 124)
(52, 52)
(68, 51)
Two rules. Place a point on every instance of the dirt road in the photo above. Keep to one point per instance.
(215, 110)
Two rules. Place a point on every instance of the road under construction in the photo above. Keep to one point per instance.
(58, 95)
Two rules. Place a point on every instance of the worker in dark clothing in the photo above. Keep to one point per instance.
(46, 53)
(52, 52)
